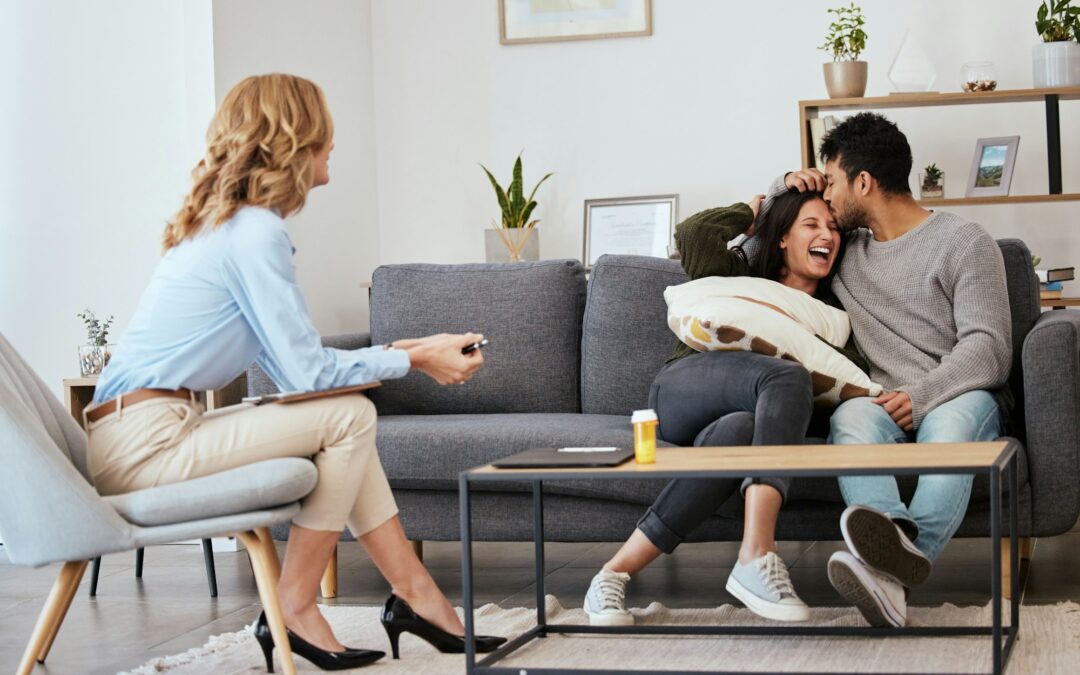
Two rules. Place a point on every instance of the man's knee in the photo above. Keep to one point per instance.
(973, 416)
(860, 420)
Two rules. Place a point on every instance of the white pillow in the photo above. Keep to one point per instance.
(767, 317)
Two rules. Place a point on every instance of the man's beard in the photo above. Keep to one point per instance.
(851, 217)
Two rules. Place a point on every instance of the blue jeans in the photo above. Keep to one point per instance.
(940, 501)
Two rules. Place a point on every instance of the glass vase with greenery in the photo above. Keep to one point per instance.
(95, 354)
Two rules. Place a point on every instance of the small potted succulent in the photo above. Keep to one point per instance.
(845, 77)
(1056, 61)
(932, 183)
(95, 354)
(513, 233)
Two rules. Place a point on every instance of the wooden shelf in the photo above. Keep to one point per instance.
(1011, 199)
(1059, 303)
(951, 98)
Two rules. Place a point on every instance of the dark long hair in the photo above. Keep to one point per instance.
(768, 262)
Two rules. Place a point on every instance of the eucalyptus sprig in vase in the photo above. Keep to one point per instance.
(515, 230)
(95, 354)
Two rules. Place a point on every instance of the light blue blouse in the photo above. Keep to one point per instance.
(227, 298)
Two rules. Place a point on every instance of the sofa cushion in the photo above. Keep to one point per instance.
(625, 339)
(1023, 288)
(529, 311)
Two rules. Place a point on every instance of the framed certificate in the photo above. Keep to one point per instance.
(629, 226)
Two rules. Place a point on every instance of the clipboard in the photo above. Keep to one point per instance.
(298, 396)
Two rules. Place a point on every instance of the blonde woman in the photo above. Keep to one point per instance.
(224, 296)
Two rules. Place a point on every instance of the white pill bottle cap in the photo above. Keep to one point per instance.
(647, 415)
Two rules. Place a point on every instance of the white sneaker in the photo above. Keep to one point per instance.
(605, 603)
(764, 586)
(880, 599)
(879, 543)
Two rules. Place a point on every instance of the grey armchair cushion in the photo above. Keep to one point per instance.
(1023, 288)
(262, 485)
(530, 312)
(626, 339)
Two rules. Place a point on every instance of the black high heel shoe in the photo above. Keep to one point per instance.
(397, 618)
(325, 660)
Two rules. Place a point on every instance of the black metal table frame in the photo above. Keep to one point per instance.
(1006, 461)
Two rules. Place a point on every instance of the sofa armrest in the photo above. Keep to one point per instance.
(1051, 362)
(259, 384)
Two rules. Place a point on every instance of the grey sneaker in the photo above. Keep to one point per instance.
(879, 543)
(605, 603)
(764, 586)
(880, 599)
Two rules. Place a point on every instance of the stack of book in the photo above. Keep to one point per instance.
(1050, 281)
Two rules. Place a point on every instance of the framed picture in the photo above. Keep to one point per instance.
(629, 226)
(522, 21)
(992, 166)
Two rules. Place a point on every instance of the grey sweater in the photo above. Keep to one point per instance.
(929, 310)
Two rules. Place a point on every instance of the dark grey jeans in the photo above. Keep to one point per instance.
(722, 398)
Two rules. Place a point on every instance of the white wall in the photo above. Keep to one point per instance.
(329, 42)
(706, 107)
(104, 109)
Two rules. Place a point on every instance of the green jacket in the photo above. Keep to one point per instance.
(702, 240)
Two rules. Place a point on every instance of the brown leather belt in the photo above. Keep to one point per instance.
(137, 396)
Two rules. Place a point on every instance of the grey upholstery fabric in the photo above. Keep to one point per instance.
(250, 488)
(1023, 288)
(625, 337)
(49, 511)
(530, 312)
(1052, 385)
(260, 384)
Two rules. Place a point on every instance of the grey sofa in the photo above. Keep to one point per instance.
(570, 359)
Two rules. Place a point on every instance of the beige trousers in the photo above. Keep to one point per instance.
(166, 440)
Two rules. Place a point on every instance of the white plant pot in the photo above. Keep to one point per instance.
(1056, 64)
(496, 251)
(845, 79)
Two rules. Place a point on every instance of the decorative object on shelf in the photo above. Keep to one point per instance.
(932, 183)
(515, 230)
(911, 69)
(845, 77)
(95, 354)
(523, 21)
(992, 166)
(629, 226)
(1056, 62)
(978, 76)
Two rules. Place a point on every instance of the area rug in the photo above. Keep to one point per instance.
(1049, 643)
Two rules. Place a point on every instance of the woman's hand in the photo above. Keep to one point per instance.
(805, 179)
(440, 357)
(755, 206)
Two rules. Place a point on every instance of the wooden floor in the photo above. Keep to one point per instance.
(169, 610)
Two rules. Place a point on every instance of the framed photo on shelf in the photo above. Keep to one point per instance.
(992, 166)
(522, 21)
(629, 226)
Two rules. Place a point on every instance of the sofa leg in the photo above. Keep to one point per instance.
(418, 549)
(52, 615)
(1025, 546)
(328, 584)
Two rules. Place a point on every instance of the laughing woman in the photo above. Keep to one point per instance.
(224, 296)
(728, 398)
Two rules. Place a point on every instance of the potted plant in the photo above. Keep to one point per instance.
(932, 183)
(513, 233)
(845, 77)
(95, 354)
(1056, 61)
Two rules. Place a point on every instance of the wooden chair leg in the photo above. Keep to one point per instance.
(94, 572)
(418, 549)
(208, 560)
(267, 570)
(52, 615)
(328, 585)
(1025, 547)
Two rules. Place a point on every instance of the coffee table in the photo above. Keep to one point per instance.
(991, 459)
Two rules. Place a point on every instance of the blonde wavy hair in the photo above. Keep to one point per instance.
(260, 148)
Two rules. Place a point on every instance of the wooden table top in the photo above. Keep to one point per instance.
(775, 459)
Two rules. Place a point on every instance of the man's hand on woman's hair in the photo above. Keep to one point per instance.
(805, 179)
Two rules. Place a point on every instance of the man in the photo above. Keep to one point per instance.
(925, 292)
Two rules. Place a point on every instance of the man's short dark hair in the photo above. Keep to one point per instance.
(869, 142)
